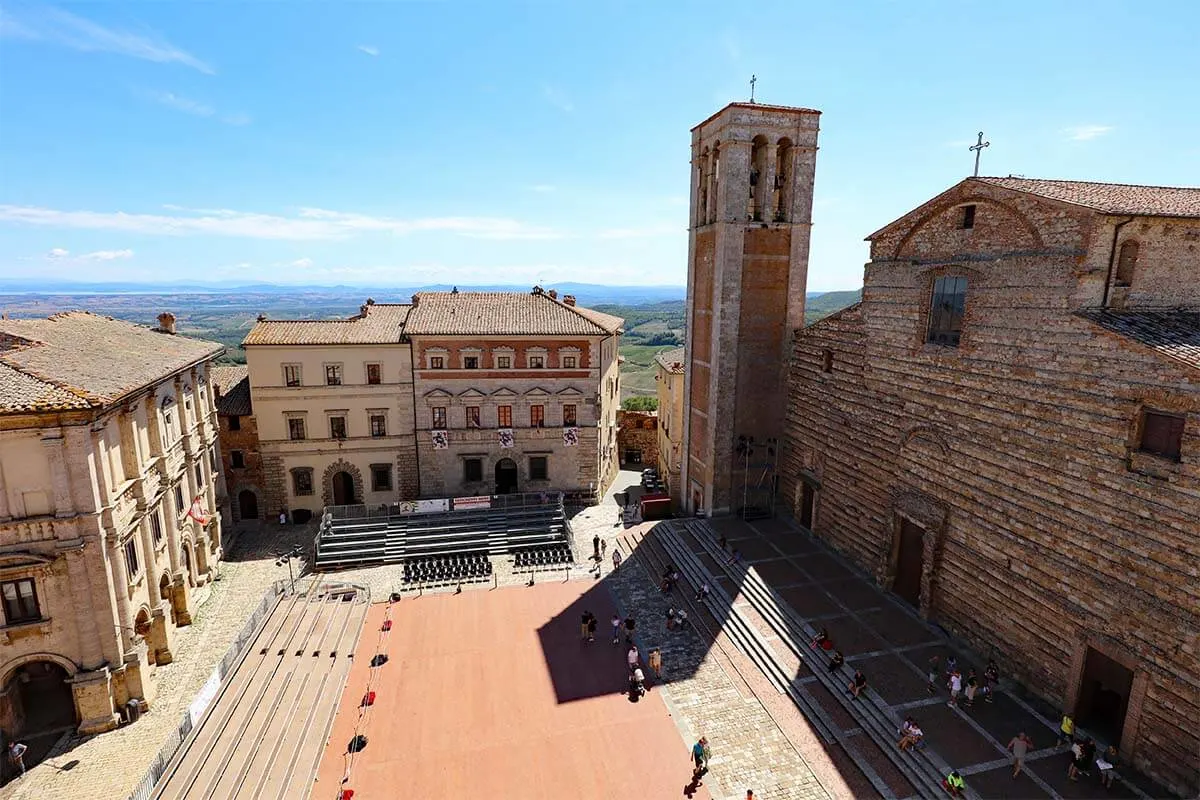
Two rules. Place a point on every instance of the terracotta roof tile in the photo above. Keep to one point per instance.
(1111, 198)
(671, 360)
(232, 384)
(504, 314)
(381, 323)
(1173, 334)
(84, 359)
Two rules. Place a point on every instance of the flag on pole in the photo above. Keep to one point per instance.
(198, 513)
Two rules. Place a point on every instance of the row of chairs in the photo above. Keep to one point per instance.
(532, 557)
(448, 569)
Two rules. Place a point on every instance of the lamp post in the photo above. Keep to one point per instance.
(286, 558)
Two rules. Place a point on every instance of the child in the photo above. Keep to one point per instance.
(955, 685)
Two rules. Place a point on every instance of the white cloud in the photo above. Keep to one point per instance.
(370, 50)
(58, 252)
(309, 224)
(302, 262)
(558, 99)
(55, 26)
(196, 108)
(107, 255)
(1083, 133)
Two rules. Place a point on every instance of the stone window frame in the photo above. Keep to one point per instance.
(532, 353)
(378, 368)
(133, 563)
(966, 220)
(926, 278)
(545, 467)
(944, 335)
(300, 417)
(1127, 261)
(233, 422)
(296, 474)
(473, 416)
(826, 359)
(345, 428)
(569, 352)
(374, 414)
(335, 373)
(198, 473)
(376, 471)
(498, 353)
(156, 525)
(470, 352)
(503, 409)
(36, 615)
(288, 379)
(1177, 416)
(537, 415)
(438, 414)
(440, 353)
(573, 421)
(234, 457)
(472, 459)
(177, 490)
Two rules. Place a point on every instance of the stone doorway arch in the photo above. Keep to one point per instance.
(351, 485)
(506, 476)
(342, 486)
(247, 505)
(36, 698)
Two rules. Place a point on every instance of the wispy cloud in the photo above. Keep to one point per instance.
(62, 254)
(196, 108)
(55, 26)
(307, 224)
(369, 49)
(557, 98)
(1083, 133)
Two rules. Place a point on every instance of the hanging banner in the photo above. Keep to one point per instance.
(441, 439)
(506, 437)
(466, 503)
(570, 437)
(198, 513)
(405, 507)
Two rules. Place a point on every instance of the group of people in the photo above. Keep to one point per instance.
(1084, 755)
(963, 690)
(858, 681)
(637, 678)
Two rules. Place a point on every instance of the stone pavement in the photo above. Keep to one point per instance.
(110, 764)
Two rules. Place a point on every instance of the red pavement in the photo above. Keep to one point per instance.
(490, 694)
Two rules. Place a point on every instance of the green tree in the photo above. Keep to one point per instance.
(640, 404)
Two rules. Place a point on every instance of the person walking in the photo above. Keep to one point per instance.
(596, 547)
(632, 657)
(620, 516)
(1019, 746)
(583, 625)
(1066, 730)
(991, 679)
(656, 662)
(933, 672)
(616, 628)
(629, 625)
(700, 756)
(16, 754)
(616, 559)
(955, 685)
(972, 685)
(591, 628)
(858, 683)
(639, 681)
(603, 548)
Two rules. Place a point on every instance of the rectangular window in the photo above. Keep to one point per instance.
(131, 557)
(537, 362)
(968, 217)
(437, 362)
(302, 481)
(20, 601)
(569, 362)
(295, 428)
(472, 416)
(537, 468)
(472, 470)
(569, 415)
(156, 529)
(504, 417)
(537, 416)
(381, 477)
(946, 310)
(1162, 434)
(237, 459)
(470, 362)
(235, 423)
(212, 459)
(291, 374)
(333, 374)
(439, 418)
(378, 425)
(199, 473)
(374, 373)
(337, 427)
(503, 362)
(179, 506)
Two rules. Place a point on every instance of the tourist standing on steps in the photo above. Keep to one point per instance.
(656, 663)
(955, 685)
(700, 755)
(16, 754)
(1019, 746)
(616, 628)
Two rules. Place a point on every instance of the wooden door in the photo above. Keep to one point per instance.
(910, 560)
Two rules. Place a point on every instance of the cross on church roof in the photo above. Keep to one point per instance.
(753, 80)
(977, 148)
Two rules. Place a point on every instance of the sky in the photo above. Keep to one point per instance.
(402, 143)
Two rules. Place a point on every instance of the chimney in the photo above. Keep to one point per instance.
(166, 322)
(569, 299)
(262, 317)
(553, 294)
(416, 300)
(538, 290)
(370, 301)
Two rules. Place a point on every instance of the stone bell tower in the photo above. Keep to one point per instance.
(751, 215)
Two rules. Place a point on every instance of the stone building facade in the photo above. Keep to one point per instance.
(241, 460)
(108, 477)
(333, 406)
(751, 213)
(637, 438)
(1006, 433)
(669, 387)
(457, 393)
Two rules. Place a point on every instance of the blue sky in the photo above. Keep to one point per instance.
(401, 143)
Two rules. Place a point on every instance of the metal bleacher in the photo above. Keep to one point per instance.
(459, 541)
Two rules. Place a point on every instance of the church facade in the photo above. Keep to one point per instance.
(1006, 433)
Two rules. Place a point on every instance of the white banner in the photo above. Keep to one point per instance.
(421, 506)
(465, 503)
(207, 692)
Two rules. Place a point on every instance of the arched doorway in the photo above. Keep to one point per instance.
(37, 699)
(247, 504)
(187, 564)
(506, 476)
(343, 488)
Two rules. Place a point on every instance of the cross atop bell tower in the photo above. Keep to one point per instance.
(751, 213)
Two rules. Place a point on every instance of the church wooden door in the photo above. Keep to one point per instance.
(910, 559)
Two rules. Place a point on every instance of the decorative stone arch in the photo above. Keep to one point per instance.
(16, 663)
(945, 206)
(925, 434)
(932, 515)
(235, 500)
(341, 465)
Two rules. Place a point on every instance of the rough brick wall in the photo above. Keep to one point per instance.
(638, 430)
(1046, 531)
(249, 477)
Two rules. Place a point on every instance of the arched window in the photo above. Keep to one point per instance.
(781, 191)
(714, 183)
(758, 179)
(702, 188)
(1127, 263)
